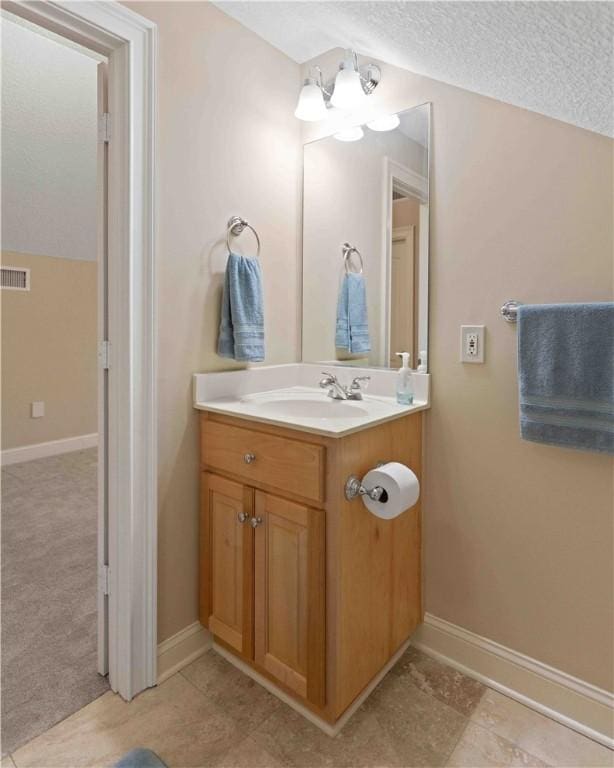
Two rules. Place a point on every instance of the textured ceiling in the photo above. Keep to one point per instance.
(555, 58)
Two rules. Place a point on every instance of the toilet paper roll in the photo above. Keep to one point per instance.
(401, 486)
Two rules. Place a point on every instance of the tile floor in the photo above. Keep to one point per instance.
(209, 714)
(49, 613)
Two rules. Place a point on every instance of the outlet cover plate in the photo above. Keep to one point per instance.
(472, 343)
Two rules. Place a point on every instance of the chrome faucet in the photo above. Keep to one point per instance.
(338, 392)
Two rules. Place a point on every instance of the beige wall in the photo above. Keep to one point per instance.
(227, 143)
(49, 145)
(518, 536)
(49, 351)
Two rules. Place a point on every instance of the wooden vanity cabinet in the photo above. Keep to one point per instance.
(310, 590)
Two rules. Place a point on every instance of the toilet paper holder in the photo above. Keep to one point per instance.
(355, 488)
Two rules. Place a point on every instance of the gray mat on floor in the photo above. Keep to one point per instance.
(140, 758)
(49, 582)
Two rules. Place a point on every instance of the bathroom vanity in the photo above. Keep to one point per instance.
(304, 587)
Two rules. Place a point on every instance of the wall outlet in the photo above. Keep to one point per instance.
(38, 409)
(472, 341)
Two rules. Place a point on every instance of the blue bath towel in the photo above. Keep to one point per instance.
(241, 335)
(140, 758)
(352, 330)
(566, 375)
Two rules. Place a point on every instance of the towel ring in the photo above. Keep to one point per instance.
(348, 250)
(236, 225)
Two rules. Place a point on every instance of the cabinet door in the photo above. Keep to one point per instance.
(289, 595)
(226, 590)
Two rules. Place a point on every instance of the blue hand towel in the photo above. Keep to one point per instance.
(352, 330)
(241, 335)
(566, 375)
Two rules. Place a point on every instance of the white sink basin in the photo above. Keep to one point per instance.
(310, 408)
(293, 405)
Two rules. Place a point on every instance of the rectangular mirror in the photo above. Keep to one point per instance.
(366, 244)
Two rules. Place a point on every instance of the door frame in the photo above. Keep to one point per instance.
(102, 72)
(129, 42)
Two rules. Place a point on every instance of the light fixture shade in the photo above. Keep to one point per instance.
(348, 92)
(386, 123)
(310, 106)
(350, 134)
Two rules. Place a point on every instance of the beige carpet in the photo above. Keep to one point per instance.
(48, 593)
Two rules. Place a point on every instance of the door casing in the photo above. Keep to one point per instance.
(103, 376)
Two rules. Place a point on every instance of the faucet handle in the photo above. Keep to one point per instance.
(329, 378)
(356, 382)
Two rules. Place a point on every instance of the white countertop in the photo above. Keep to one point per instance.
(277, 395)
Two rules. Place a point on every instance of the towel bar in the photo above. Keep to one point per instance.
(509, 311)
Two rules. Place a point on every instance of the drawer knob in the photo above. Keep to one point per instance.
(242, 517)
(256, 521)
(249, 458)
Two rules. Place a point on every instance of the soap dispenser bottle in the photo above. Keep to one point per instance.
(405, 392)
(422, 367)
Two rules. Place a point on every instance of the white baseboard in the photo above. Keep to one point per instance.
(572, 702)
(182, 649)
(52, 448)
(323, 725)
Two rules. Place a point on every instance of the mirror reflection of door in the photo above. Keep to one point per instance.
(402, 282)
(403, 276)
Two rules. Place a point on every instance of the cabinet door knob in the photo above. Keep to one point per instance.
(256, 521)
(249, 458)
(242, 517)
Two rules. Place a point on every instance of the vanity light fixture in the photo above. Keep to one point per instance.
(350, 134)
(311, 106)
(386, 123)
(348, 90)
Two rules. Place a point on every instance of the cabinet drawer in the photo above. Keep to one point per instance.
(278, 462)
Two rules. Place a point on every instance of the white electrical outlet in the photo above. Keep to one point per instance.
(38, 409)
(472, 339)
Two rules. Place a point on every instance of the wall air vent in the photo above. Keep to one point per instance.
(15, 278)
